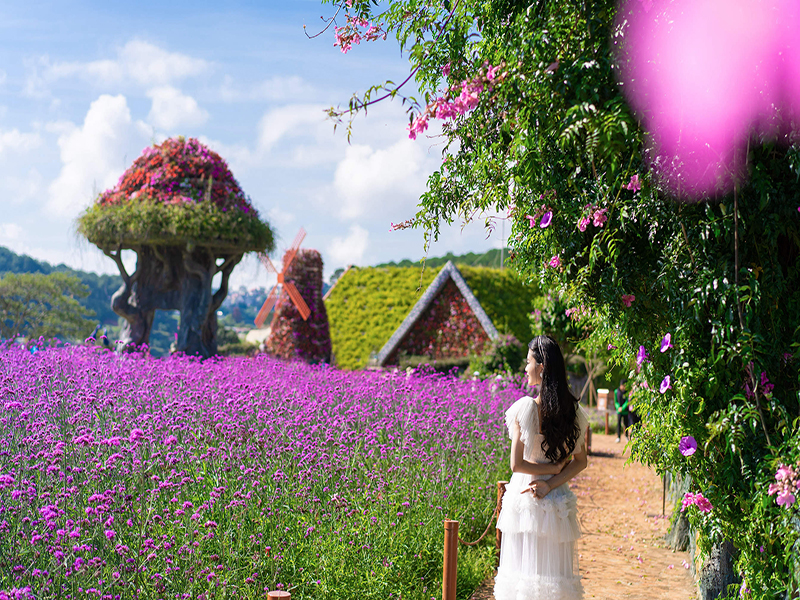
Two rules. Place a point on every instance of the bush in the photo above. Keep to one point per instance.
(505, 356)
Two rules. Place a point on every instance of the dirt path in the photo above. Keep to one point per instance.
(622, 554)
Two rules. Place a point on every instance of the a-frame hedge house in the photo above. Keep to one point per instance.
(449, 312)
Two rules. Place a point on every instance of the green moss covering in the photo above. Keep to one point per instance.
(138, 222)
(369, 304)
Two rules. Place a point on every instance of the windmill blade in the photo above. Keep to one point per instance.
(298, 239)
(267, 263)
(301, 305)
(288, 258)
(272, 298)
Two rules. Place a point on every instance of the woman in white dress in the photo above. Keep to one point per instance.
(539, 518)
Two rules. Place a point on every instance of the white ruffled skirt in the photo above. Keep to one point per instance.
(537, 554)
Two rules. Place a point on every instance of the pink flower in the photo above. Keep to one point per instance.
(785, 498)
(531, 221)
(665, 385)
(110, 533)
(446, 70)
(600, 217)
(702, 503)
(666, 343)
(418, 125)
(136, 435)
(444, 109)
(634, 184)
(687, 445)
(627, 299)
(555, 262)
(583, 223)
(641, 356)
(611, 347)
(546, 219)
(492, 73)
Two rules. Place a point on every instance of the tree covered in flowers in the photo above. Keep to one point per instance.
(699, 298)
(179, 208)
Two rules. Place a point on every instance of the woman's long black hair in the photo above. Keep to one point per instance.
(558, 407)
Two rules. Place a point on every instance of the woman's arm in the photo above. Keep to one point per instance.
(520, 465)
(579, 461)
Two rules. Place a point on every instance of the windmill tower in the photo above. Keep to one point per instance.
(285, 286)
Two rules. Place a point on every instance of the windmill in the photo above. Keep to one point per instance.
(287, 286)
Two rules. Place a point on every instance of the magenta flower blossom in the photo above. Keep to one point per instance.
(446, 70)
(628, 299)
(702, 96)
(531, 221)
(417, 126)
(634, 184)
(555, 262)
(785, 498)
(665, 385)
(787, 482)
(600, 217)
(583, 223)
(546, 219)
(110, 533)
(702, 503)
(687, 445)
(666, 343)
(641, 356)
(611, 347)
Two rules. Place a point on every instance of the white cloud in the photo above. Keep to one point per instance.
(15, 141)
(95, 155)
(291, 120)
(17, 189)
(2, 76)
(368, 181)
(277, 88)
(9, 233)
(349, 250)
(137, 61)
(172, 109)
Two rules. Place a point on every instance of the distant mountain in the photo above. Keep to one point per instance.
(492, 258)
(101, 287)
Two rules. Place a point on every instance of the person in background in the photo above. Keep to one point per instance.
(621, 406)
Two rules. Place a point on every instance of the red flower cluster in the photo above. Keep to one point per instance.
(175, 172)
(447, 329)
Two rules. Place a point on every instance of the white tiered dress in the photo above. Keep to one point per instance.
(537, 554)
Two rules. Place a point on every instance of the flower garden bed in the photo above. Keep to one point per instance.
(131, 477)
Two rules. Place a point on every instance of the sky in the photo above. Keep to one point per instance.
(86, 86)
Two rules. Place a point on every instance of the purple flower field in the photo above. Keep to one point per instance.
(132, 477)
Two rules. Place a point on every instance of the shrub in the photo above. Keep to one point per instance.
(504, 356)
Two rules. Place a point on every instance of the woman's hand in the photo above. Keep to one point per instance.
(556, 468)
(539, 488)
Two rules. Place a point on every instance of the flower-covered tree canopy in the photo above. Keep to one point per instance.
(183, 213)
(176, 192)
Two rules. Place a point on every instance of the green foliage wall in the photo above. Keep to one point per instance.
(369, 304)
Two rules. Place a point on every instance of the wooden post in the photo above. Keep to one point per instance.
(501, 490)
(279, 595)
(606, 421)
(450, 560)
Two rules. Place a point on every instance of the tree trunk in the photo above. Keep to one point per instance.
(173, 278)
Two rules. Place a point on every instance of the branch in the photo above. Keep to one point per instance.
(117, 258)
(328, 22)
(354, 104)
(227, 269)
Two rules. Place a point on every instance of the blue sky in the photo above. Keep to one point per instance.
(85, 86)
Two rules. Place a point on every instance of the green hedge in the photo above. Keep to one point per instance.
(369, 304)
(145, 222)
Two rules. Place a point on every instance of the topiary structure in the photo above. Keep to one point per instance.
(291, 336)
(180, 209)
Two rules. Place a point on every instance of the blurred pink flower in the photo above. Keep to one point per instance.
(611, 347)
(583, 223)
(546, 219)
(418, 125)
(555, 262)
(703, 75)
(665, 385)
(627, 299)
(446, 70)
(785, 498)
(600, 217)
(531, 220)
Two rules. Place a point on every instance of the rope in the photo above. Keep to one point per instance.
(483, 535)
